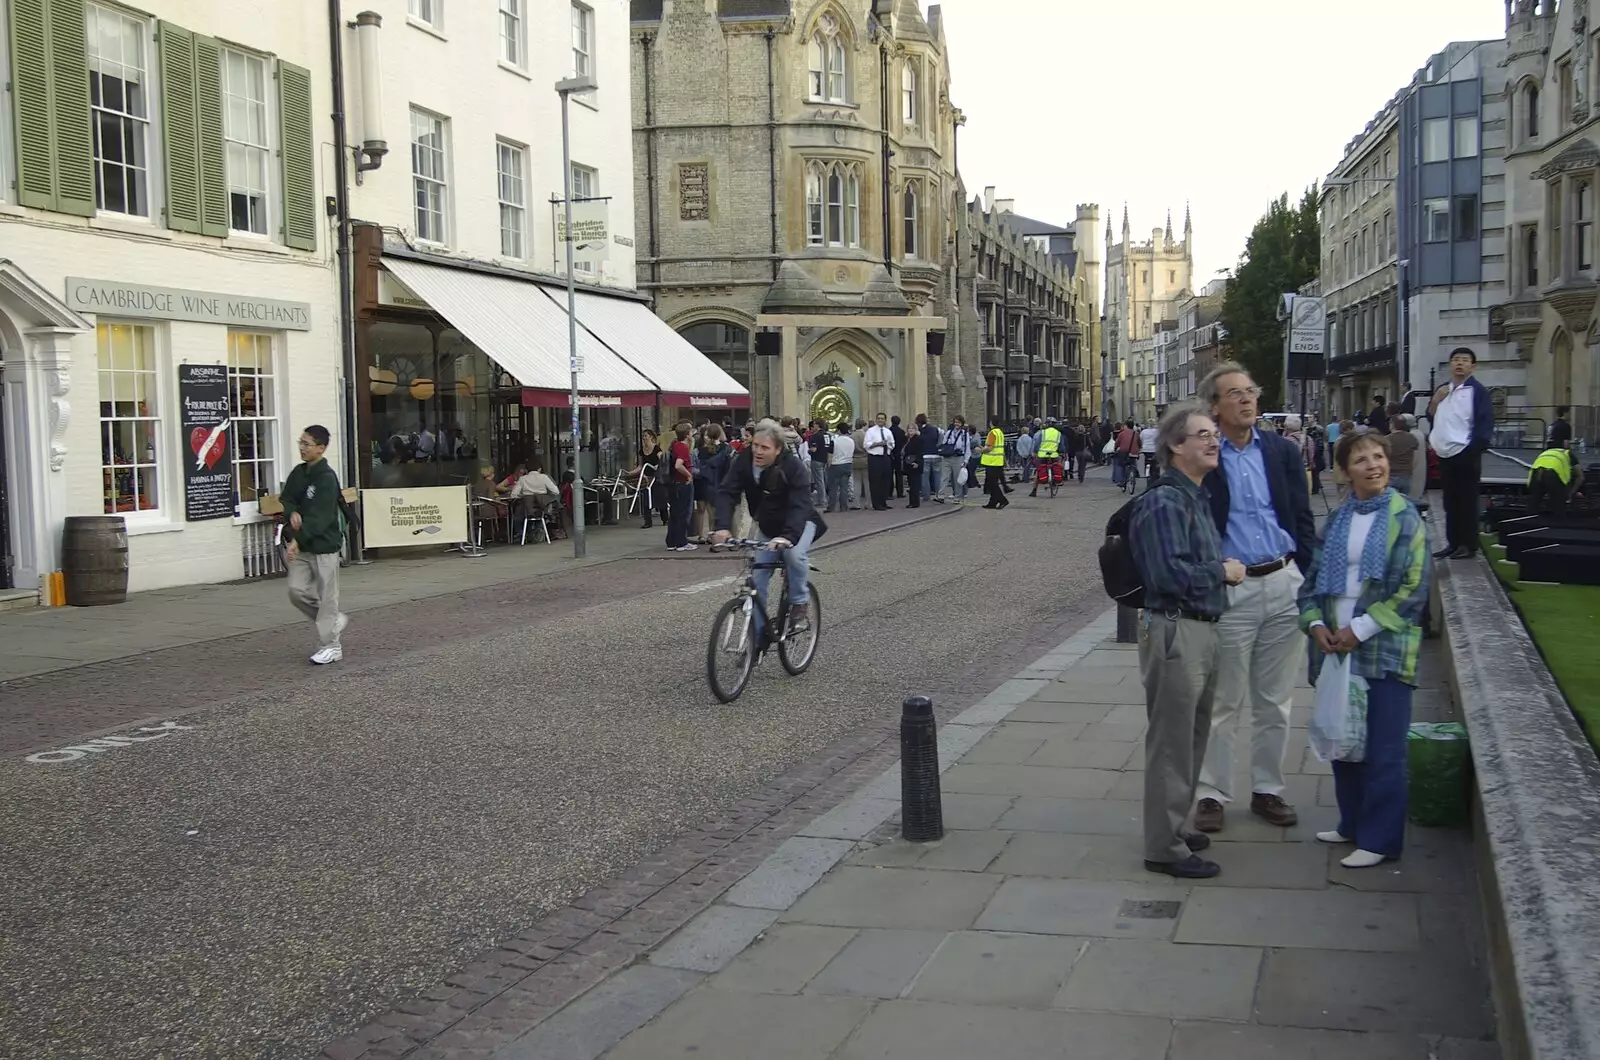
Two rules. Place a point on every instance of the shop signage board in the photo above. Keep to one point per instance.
(115, 298)
(206, 445)
(590, 229)
(407, 518)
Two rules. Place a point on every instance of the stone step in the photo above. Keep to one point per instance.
(18, 599)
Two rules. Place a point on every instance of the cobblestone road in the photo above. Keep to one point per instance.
(322, 847)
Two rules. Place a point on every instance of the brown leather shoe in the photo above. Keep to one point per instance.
(1273, 810)
(1208, 816)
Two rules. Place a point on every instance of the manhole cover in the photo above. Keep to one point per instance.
(1136, 910)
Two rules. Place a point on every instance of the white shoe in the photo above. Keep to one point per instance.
(1363, 859)
(691, 547)
(330, 654)
(1332, 837)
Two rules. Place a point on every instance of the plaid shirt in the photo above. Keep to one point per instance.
(1177, 548)
(1397, 604)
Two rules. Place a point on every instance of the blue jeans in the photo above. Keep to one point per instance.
(796, 567)
(930, 476)
(1372, 793)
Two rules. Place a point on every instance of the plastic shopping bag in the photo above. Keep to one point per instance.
(1110, 447)
(961, 476)
(1338, 729)
(1440, 765)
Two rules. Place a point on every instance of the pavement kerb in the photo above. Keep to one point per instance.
(587, 1027)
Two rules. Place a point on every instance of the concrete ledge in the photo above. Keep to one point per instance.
(1538, 788)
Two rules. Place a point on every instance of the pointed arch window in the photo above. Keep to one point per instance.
(835, 207)
(852, 208)
(814, 179)
(908, 94)
(827, 58)
(911, 217)
(833, 204)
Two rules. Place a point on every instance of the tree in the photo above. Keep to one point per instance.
(1281, 255)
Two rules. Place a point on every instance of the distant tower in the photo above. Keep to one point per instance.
(1188, 236)
(1169, 227)
(1127, 232)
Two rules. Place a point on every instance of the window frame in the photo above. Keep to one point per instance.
(150, 72)
(1583, 195)
(272, 167)
(1431, 210)
(910, 102)
(516, 41)
(159, 460)
(589, 176)
(1457, 126)
(1436, 147)
(442, 181)
(433, 20)
(911, 221)
(249, 509)
(1530, 257)
(582, 21)
(503, 149)
(1458, 230)
(816, 223)
(1564, 94)
(828, 74)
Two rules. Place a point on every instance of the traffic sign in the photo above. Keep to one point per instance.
(1308, 325)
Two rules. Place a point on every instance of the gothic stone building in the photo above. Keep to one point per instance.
(1145, 282)
(798, 202)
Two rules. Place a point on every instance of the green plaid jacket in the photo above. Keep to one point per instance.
(1397, 603)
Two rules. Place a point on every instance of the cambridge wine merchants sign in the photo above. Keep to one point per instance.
(207, 459)
(174, 303)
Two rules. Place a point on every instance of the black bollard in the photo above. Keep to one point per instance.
(921, 813)
(1127, 625)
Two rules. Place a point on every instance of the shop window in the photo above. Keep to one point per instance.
(253, 415)
(130, 418)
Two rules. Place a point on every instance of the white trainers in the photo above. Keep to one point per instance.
(1363, 859)
(1332, 837)
(330, 654)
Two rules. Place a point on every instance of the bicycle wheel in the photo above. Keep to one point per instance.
(1055, 482)
(731, 652)
(797, 649)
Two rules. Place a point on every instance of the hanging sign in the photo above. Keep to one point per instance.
(590, 229)
(207, 458)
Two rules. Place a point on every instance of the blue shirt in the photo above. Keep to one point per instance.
(1253, 535)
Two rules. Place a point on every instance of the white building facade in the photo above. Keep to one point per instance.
(168, 313)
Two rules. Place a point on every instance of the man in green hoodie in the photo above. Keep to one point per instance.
(314, 536)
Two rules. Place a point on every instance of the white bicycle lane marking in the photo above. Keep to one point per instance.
(102, 744)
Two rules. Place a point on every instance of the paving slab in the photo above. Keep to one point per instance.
(1331, 920)
(877, 963)
(718, 1024)
(712, 939)
(1081, 907)
(786, 874)
(997, 968)
(1029, 780)
(1222, 1041)
(974, 811)
(1040, 730)
(1087, 816)
(1063, 711)
(854, 896)
(1075, 693)
(604, 1016)
(1436, 861)
(962, 851)
(783, 960)
(1344, 990)
(910, 1030)
(1002, 748)
(1076, 752)
(1164, 979)
(1109, 731)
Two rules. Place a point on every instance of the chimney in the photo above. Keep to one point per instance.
(1006, 205)
(988, 199)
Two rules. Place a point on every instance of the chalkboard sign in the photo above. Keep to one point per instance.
(205, 449)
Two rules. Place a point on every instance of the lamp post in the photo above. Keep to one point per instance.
(565, 88)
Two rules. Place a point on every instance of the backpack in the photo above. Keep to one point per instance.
(1119, 572)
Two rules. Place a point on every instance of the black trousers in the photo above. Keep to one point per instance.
(1459, 476)
(994, 484)
(913, 477)
(1546, 491)
(897, 470)
(878, 472)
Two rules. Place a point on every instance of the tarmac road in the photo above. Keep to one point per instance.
(323, 842)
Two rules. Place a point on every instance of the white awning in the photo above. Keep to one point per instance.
(525, 332)
(646, 342)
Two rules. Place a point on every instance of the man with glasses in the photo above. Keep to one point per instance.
(314, 535)
(1262, 509)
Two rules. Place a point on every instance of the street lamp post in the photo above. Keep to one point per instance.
(565, 88)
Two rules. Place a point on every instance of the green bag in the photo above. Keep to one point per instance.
(1440, 760)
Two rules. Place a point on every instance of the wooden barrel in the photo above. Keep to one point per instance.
(94, 559)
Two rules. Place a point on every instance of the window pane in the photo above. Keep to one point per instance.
(1466, 226)
(1436, 140)
(1435, 220)
(1466, 137)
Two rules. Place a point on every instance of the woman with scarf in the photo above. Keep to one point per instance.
(1364, 597)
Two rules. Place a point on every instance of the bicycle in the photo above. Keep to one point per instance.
(734, 639)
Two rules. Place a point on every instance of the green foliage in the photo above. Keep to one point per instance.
(1281, 255)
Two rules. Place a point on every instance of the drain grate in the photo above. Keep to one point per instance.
(1132, 909)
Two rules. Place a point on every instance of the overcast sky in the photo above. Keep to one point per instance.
(1225, 103)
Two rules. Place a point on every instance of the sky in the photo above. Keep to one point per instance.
(1225, 104)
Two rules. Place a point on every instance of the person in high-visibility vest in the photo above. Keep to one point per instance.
(993, 459)
(1553, 478)
(1048, 453)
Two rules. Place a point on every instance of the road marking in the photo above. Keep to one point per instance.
(102, 744)
(703, 587)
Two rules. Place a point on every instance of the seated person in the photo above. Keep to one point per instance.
(505, 484)
(537, 486)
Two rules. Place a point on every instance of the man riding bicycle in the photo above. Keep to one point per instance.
(1048, 454)
(777, 489)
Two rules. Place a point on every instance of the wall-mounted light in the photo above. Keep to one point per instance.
(369, 155)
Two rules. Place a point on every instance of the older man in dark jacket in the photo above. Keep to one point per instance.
(1262, 509)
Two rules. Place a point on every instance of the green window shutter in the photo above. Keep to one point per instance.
(180, 138)
(50, 89)
(213, 154)
(74, 140)
(299, 172)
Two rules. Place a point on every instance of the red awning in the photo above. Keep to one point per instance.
(707, 401)
(534, 397)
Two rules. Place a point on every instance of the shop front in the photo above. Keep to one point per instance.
(465, 369)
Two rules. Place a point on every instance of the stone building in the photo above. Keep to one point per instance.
(1201, 340)
(799, 214)
(1144, 283)
(1552, 169)
(1036, 288)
